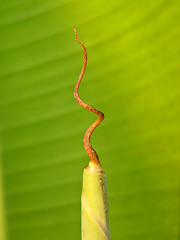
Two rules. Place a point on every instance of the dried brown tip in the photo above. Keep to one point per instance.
(86, 141)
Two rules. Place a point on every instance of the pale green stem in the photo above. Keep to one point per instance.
(94, 204)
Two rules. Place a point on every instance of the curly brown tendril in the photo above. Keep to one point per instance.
(86, 141)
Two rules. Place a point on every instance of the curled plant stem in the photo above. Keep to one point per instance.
(86, 141)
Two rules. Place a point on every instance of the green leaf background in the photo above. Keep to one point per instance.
(133, 76)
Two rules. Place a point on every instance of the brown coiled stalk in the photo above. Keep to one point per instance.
(86, 141)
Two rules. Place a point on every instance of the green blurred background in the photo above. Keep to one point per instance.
(133, 76)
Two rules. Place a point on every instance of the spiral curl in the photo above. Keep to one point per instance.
(86, 141)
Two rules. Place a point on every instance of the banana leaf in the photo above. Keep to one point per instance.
(132, 76)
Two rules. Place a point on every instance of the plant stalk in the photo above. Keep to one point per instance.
(94, 200)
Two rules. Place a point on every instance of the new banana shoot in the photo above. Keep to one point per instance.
(94, 199)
